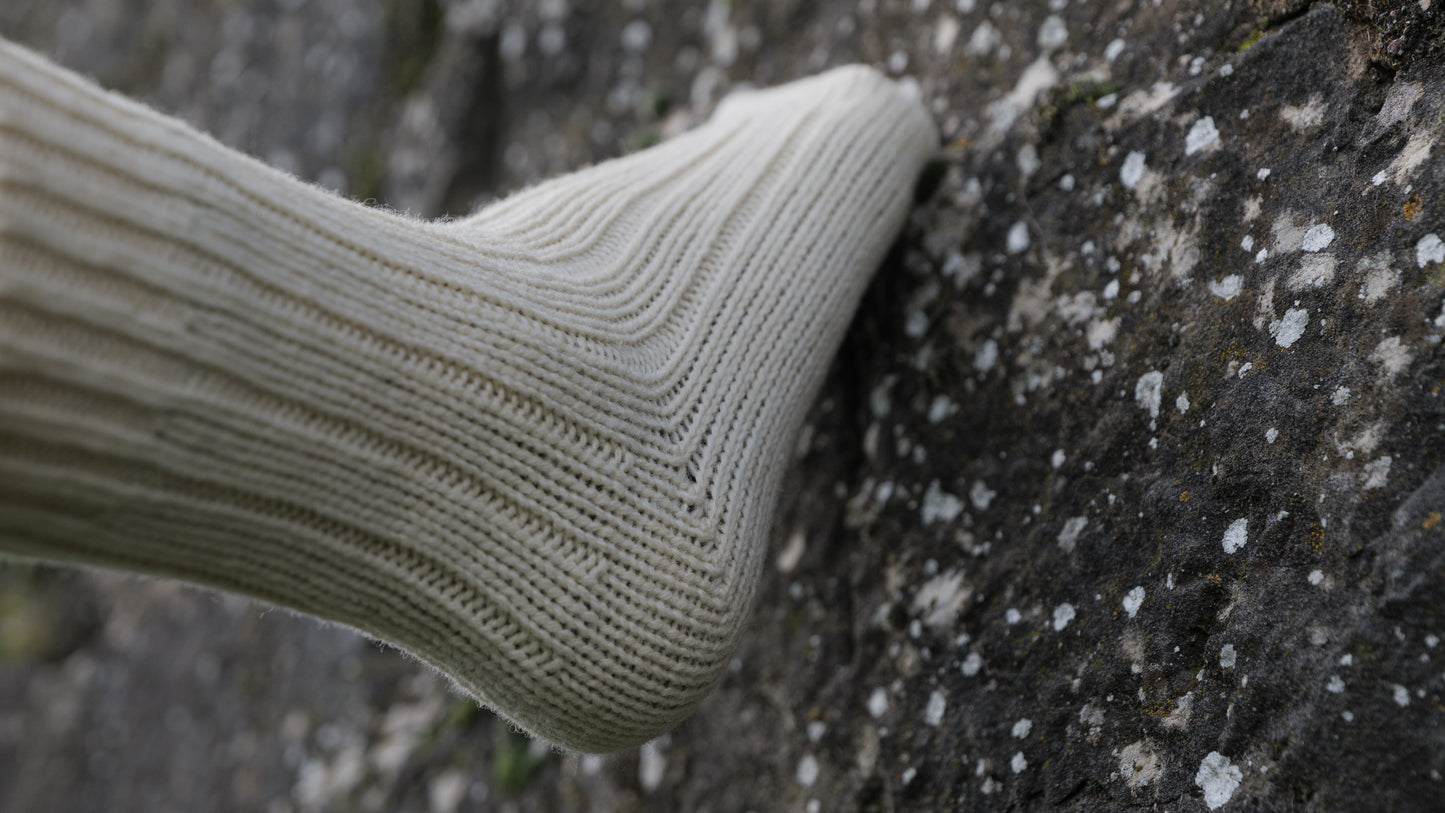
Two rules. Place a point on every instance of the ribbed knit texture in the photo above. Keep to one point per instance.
(538, 448)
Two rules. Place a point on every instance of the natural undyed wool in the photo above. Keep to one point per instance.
(538, 448)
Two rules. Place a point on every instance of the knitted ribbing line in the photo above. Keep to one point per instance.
(538, 448)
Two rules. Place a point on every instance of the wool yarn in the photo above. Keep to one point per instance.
(538, 448)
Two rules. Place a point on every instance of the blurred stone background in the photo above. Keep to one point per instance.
(1126, 492)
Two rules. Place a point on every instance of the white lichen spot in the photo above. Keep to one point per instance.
(636, 36)
(1053, 33)
(1182, 246)
(941, 407)
(878, 703)
(1380, 278)
(961, 268)
(1253, 205)
(792, 553)
(1069, 536)
(1114, 49)
(983, 40)
(1289, 234)
(1101, 332)
(1416, 150)
(1341, 396)
(1376, 472)
(1012, 616)
(1148, 392)
(880, 399)
(651, 766)
(1291, 327)
(1392, 356)
(816, 730)
(1037, 78)
(1379, 177)
(971, 665)
(1430, 249)
(1027, 160)
(1218, 779)
(1133, 600)
(1401, 97)
(884, 492)
(1182, 403)
(1271, 435)
(1078, 308)
(933, 712)
(1063, 614)
(1022, 728)
(1139, 765)
(1335, 685)
(981, 495)
(945, 34)
(1058, 458)
(1247, 244)
(1111, 290)
(807, 772)
(1318, 238)
(1017, 240)
(1178, 719)
(1315, 271)
(1132, 170)
(1227, 656)
(986, 356)
(1145, 101)
(1202, 136)
(1401, 695)
(915, 323)
(1236, 535)
(941, 599)
(1317, 577)
(1018, 764)
(1306, 117)
(444, 794)
(938, 505)
(1227, 288)
(1263, 173)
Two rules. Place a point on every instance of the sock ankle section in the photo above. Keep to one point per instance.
(537, 448)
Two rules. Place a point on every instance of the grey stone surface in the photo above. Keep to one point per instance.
(1125, 492)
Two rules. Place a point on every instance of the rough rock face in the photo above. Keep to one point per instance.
(1126, 492)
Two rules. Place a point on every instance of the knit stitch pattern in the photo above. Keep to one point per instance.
(538, 448)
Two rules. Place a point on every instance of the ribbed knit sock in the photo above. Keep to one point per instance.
(538, 448)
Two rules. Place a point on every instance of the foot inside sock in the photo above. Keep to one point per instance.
(538, 447)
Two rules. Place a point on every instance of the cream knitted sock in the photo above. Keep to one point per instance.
(538, 448)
